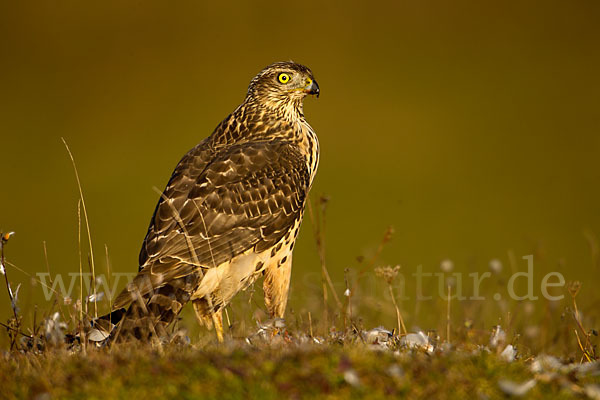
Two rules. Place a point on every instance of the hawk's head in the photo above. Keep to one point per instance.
(283, 84)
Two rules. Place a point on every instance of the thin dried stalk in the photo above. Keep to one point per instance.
(87, 225)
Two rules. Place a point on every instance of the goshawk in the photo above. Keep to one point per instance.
(230, 212)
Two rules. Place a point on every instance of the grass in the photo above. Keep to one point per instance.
(271, 371)
(336, 358)
(325, 354)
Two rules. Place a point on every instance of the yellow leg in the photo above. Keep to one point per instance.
(217, 318)
(209, 319)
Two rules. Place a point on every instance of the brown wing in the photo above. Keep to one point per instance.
(187, 173)
(248, 196)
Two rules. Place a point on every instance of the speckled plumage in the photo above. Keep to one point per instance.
(230, 212)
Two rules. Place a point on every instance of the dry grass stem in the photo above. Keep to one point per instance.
(448, 315)
(87, 224)
(388, 274)
(318, 224)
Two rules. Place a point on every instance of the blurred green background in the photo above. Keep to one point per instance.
(471, 127)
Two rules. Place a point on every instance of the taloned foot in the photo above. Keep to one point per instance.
(209, 319)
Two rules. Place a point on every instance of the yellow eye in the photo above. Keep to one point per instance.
(283, 78)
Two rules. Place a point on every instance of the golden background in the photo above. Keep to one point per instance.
(471, 127)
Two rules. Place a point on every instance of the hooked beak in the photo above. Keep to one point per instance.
(312, 88)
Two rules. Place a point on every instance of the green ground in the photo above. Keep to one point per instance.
(321, 352)
(335, 371)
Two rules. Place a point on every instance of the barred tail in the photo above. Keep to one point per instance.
(148, 316)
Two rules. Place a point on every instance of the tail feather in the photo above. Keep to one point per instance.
(148, 316)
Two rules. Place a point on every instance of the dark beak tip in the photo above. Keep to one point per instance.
(314, 89)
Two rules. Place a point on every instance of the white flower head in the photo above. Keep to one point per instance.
(95, 297)
(509, 353)
(447, 265)
(496, 266)
(498, 337)
(516, 389)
